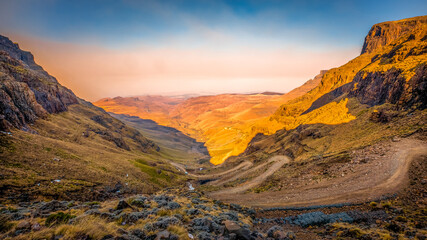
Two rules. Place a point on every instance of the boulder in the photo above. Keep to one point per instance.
(163, 235)
(35, 227)
(122, 205)
(232, 227)
(23, 225)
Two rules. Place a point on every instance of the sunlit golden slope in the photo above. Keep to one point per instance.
(404, 50)
(156, 108)
(385, 55)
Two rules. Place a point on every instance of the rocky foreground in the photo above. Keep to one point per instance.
(183, 214)
(167, 215)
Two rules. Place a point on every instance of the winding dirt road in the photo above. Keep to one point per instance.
(279, 161)
(243, 166)
(235, 176)
(386, 173)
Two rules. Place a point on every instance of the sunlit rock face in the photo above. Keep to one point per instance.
(382, 34)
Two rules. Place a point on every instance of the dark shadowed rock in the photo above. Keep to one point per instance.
(232, 227)
(122, 205)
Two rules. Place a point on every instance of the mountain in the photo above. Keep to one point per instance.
(27, 91)
(396, 46)
(375, 102)
(227, 123)
(152, 107)
(55, 145)
(391, 69)
(224, 122)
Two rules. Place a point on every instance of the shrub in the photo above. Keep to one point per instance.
(373, 205)
(58, 218)
(386, 204)
(5, 224)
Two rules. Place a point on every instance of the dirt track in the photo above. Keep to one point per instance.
(385, 173)
(235, 176)
(243, 166)
(279, 161)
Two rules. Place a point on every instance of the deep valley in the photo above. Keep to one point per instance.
(344, 156)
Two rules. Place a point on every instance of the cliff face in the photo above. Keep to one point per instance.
(382, 34)
(391, 87)
(26, 90)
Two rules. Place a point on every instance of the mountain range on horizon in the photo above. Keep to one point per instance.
(342, 156)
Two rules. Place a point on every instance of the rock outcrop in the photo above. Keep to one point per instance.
(382, 34)
(391, 87)
(26, 90)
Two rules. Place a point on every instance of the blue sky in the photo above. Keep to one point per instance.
(118, 23)
(209, 27)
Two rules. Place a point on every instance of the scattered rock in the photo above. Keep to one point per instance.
(193, 211)
(232, 227)
(164, 222)
(163, 235)
(23, 225)
(35, 227)
(122, 205)
(173, 205)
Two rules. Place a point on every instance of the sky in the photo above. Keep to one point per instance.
(106, 48)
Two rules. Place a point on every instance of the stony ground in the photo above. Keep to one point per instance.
(173, 214)
(399, 216)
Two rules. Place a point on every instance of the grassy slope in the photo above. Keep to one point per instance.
(174, 145)
(88, 163)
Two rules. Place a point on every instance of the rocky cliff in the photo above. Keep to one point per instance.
(382, 34)
(26, 90)
(401, 45)
(27, 93)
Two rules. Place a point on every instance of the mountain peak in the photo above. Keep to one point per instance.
(384, 33)
(26, 90)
